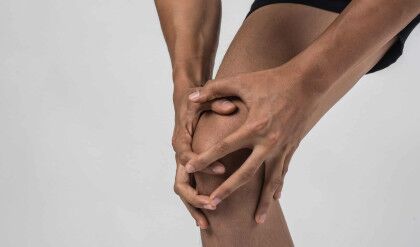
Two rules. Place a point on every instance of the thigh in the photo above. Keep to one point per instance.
(269, 37)
(272, 35)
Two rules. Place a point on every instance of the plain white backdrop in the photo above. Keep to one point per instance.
(86, 118)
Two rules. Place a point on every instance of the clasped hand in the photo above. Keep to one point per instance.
(279, 106)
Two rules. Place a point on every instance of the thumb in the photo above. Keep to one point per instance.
(223, 106)
(214, 89)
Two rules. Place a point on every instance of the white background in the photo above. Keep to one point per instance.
(86, 120)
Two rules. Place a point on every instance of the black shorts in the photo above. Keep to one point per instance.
(393, 53)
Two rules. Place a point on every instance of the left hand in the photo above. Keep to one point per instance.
(184, 187)
(186, 116)
(279, 108)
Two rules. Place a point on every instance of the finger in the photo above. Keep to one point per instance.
(198, 215)
(189, 194)
(183, 157)
(182, 138)
(287, 159)
(181, 143)
(223, 106)
(216, 89)
(194, 110)
(184, 189)
(231, 143)
(239, 177)
(220, 106)
(272, 181)
(216, 168)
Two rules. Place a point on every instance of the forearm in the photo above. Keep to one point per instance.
(361, 29)
(191, 31)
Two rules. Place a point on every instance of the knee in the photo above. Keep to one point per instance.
(210, 129)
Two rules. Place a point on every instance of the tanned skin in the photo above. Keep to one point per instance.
(292, 83)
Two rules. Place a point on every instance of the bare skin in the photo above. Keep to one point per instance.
(286, 101)
(281, 50)
(192, 62)
(233, 224)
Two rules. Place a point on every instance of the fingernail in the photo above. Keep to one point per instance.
(261, 218)
(189, 168)
(210, 207)
(215, 201)
(218, 169)
(227, 102)
(194, 95)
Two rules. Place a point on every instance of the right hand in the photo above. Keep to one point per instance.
(185, 123)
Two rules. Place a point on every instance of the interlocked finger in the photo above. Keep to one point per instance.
(215, 89)
(240, 176)
(184, 189)
(236, 140)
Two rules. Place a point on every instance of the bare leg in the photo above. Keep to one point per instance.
(268, 38)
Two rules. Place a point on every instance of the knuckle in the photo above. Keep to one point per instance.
(178, 140)
(276, 183)
(183, 157)
(273, 139)
(197, 162)
(261, 125)
(222, 147)
(176, 189)
(174, 142)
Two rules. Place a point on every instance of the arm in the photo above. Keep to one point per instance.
(286, 102)
(361, 29)
(191, 29)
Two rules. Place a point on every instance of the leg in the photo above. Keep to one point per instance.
(268, 38)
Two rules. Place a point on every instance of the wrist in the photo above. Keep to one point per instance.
(181, 91)
(183, 87)
(188, 74)
(302, 85)
(312, 73)
(192, 72)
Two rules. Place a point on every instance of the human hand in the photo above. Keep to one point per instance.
(184, 187)
(187, 114)
(279, 106)
(186, 117)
